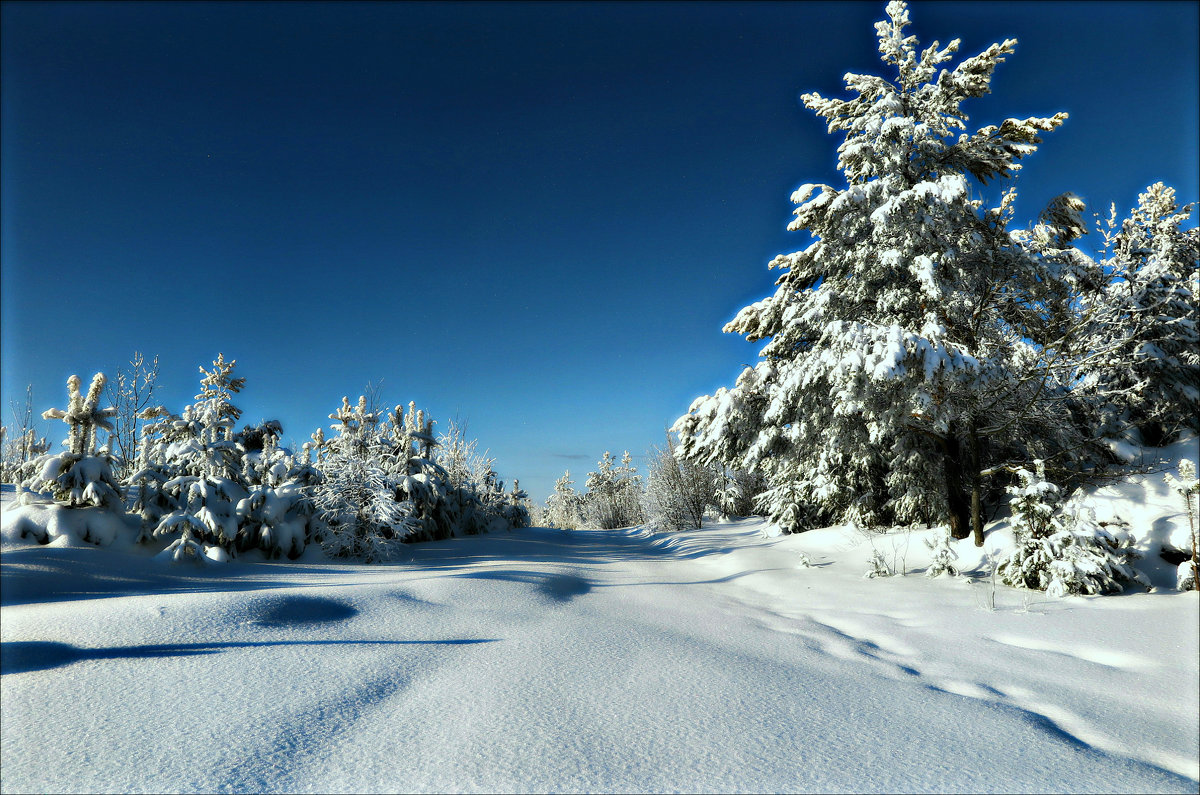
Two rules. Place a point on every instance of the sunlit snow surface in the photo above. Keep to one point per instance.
(591, 661)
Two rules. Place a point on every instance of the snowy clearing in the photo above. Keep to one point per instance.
(542, 660)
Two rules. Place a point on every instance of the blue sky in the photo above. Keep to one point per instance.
(534, 216)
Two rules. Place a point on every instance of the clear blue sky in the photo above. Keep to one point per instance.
(536, 216)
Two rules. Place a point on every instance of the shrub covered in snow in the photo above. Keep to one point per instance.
(1062, 551)
(73, 493)
(943, 557)
(1187, 486)
(614, 495)
(382, 484)
(564, 507)
(678, 490)
(79, 476)
(210, 493)
(877, 566)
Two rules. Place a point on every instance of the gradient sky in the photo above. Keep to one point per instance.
(535, 216)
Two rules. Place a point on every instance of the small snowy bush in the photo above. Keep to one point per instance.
(357, 510)
(564, 506)
(1185, 576)
(877, 566)
(1187, 486)
(80, 476)
(677, 490)
(943, 556)
(84, 500)
(1064, 552)
(360, 515)
(613, 497)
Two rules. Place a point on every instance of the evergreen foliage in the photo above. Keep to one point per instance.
(613, 496)
(922, 347)
(565, 505)
(877, 566)
(1061, 551)
(80, 476)
(1144, 314)
(736, 490)
(942, 556)
(1187, 486)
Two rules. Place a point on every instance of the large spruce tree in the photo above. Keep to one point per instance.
(901, 342)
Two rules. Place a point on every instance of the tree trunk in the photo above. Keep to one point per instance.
(956, 500)
(976, 499)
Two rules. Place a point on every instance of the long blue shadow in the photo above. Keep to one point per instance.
(36, 655)
(558, 587)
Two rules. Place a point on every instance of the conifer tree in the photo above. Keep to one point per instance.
(1143, 370)
(204, 466)
(564, 505)
(1062, 549)
(892, 340)
(356, 500)
(613, 498)
(81, 476)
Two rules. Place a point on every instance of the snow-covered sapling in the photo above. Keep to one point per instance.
(1187, 485)
(80, 477)
(942, 555)
(1064, 552)
(877, 566)
(564, 505)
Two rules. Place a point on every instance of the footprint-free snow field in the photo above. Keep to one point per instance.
(543, 660)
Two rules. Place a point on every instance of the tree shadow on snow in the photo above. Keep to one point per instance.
(571, 548)
(36, 655)
(292, 610)
(558, 587)
(56, 574)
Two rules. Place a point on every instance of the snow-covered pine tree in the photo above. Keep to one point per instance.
(19, 454)
(472, 500)
(144, 488)
(1187, 486)
(204, 464)
(517, 507)
(877, 566)
(1062, 551)
(86, 497)
(613, 498)
(80, 476)
(358, 513)
(891, 336)
(942, 556)
(1145, 321)
(736, 490)
(419, 479)
(275, 516)
(564, 506)
(459, 455)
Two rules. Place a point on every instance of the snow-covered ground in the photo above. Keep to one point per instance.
(543, 660)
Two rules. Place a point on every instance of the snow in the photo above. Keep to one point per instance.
(544, 660)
